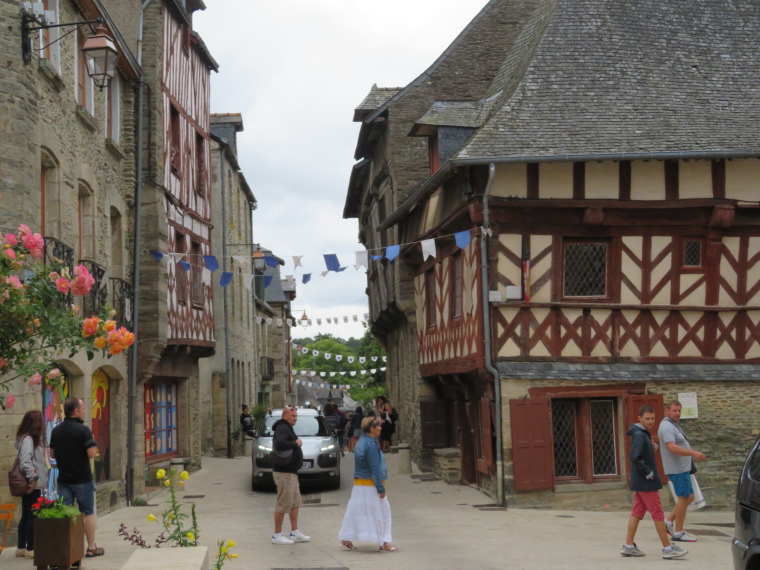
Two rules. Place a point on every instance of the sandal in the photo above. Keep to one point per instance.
(93, 552)
(388, 547)
(348, 544)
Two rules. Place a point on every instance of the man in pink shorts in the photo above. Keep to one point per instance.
(646, 485)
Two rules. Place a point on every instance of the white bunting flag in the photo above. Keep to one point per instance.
(315, 353)
(385, 359)
(328, 355)
(313, 373)
(308, 321)
(356, 318)
(247, 280)
(279, 322)
(269, 320)
(362, 359)
(374, 358)
(297, 261)
(383, 369)
(428, 248)
(345, 319)
(353, 372)
(303, 372)
(338, 357)
(366, 316)
(241, 259)
(258, 320)
(325, 272)
(361, 260)
(319, 321)
(343, 373)
(350, 359)
(290, 322)
(373, 370)
(329, 322)
(304, 350)
(322, 374)
(332, 374)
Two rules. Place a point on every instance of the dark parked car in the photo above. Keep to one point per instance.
(321, 456)
(746, 543)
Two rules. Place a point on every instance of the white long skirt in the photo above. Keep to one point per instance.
(367, 518)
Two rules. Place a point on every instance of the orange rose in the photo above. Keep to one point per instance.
(100, 342)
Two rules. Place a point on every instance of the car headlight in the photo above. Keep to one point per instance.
(328, 448)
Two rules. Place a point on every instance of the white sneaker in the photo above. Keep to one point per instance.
(674, 551)
(298, 536)
(670, 527)
(683, 537)
(280, 539)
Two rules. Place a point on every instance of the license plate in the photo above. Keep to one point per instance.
(306, 465)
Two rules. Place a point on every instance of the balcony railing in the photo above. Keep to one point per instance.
(98, 296)
(121, 301)
(58, 252)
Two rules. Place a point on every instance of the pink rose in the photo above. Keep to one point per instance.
(62, 285)
(54, 373)
(10, 239)
(34, 243)
(53, 275)
(14, 282)
(3, 362)
(9, 401)
(90, 326)
(83, 282)
(9, 253)
(24, 229)
(35, 380)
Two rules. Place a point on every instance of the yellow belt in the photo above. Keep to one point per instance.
(367, 482)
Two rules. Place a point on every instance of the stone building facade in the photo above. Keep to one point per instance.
(233, 367)
(67, 171)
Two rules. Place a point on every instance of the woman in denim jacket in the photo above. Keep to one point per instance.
(368, 514)
(31, 448)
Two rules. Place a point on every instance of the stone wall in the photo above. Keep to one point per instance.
(447, 464)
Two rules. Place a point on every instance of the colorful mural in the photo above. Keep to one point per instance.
(101, 424)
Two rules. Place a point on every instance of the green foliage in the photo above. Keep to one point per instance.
(257, 413)
(58, 509)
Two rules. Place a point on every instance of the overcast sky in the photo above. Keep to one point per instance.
(296, 70)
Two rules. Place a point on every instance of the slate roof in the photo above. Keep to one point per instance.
(607, 76)
(376, 98)
(628, 372)
(452, 114)
(274, 293)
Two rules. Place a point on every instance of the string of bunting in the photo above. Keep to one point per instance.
(308, 322)
(313, 384)
(339, 357)
(332, 263)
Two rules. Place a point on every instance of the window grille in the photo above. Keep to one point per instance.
(585, 270)
(603, 437)
(692, 254)
(565, 448)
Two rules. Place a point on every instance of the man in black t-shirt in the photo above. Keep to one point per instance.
(246, 421)
(72, 446)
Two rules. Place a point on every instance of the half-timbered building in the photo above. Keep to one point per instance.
(176, 324)
(606, 171)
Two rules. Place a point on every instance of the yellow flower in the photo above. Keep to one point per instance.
(160, 474)
(151, 517)
(181, 483)
(184, 475)
(223, 550)
(234, 555)
(190, 536)
(171, 516)
(231, 544)
(167, 482)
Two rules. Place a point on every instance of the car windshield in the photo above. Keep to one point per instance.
(306, 426)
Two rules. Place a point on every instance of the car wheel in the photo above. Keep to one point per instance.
(255, 486)
(336, 483)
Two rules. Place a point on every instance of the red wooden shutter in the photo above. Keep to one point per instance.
(631, 405)
(486, 436)
(433, 424)
(532, 453)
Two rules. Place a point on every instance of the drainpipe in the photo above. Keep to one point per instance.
(487, 336)
(136, 252)
(227, 375)
(255, 371)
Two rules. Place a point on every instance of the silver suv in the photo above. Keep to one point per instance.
(321, 456)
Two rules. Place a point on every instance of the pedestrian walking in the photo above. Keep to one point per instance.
(678, 461)
(286, 478)
(31, 453)
(356, 427)
(368, 513)
(646, 485)
(72, 446)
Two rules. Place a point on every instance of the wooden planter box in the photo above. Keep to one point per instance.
(58, 542)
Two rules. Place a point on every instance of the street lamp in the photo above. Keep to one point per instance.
(259, 263)
(100, 54)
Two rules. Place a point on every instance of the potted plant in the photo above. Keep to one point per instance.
(59, 529)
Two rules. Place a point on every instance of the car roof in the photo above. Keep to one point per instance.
(277, 413)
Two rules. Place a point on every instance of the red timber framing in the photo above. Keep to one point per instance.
(540, 453)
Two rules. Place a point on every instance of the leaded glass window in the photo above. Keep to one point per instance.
(692, 253)
(565, 449)
(585, 270)
(603, 437)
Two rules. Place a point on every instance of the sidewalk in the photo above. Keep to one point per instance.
(436, 526)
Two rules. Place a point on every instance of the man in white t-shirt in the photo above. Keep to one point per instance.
(677, 456)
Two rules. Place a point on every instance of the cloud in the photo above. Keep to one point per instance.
(296, 70)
